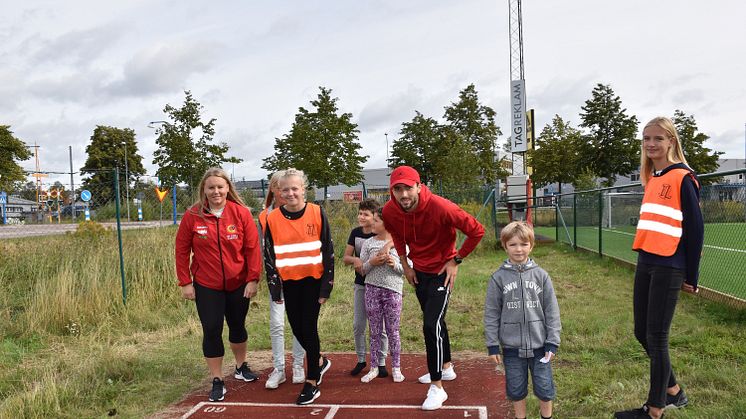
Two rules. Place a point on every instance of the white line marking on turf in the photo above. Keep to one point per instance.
(727, 249)
(334, 408)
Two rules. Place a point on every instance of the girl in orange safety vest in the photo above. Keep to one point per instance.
(299, 260)
(669, 241)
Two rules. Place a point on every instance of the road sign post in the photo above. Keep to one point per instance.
(85, 196)
(3, 201)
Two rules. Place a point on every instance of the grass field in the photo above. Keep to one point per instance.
(723, 265)
(70, 348)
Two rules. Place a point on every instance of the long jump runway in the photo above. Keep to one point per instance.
(477, 392)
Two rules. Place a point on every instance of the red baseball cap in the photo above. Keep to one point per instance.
(405, 175)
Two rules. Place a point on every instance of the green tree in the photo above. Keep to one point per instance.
(611, 147)
(700, 158)
(186, 145)
(417, 146)
(12, 150)
(28, 191)
(556, 158)
(454, 166)
(106, 152)
(323, 143)
(476, 124)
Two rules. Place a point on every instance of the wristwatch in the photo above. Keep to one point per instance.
(458, 259)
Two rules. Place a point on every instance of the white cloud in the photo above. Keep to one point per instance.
(164, 68)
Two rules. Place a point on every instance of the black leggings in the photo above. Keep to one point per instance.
(433, 298)
(212, 307)
(302, 306)
(655, 295)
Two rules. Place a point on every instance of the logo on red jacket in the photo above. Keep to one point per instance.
(231, 228)
(201, 230)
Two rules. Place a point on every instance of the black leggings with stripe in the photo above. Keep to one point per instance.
(433, 297)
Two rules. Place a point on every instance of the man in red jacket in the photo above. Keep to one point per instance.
(426, 224)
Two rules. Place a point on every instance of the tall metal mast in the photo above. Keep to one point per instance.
(517, 88)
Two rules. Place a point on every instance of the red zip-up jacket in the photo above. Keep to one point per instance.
(224, 251)
(430, 230)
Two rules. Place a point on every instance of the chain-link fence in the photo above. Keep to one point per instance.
(605, 220)
(602, 220)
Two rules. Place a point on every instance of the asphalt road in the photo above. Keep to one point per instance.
(34, 230)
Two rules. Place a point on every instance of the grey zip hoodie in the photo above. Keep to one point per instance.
(521, 311)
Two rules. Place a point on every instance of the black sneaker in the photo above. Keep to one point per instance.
(358, 368)
(679, 400)
(245, 373)
(309, 394)
(639, 413)
(218, 390)
(382, 371)
(324, 368)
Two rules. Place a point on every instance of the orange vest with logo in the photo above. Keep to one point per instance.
(297, 244)
(659, 227)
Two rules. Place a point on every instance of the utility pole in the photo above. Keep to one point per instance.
(72, 185)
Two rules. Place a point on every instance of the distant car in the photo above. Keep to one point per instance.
(79, 209)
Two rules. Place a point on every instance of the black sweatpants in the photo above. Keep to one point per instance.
(656, 293)
(302, 306)
(212, 307)
(433, 297)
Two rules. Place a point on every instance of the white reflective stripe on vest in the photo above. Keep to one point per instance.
(663, 210)
(297, 247)
(303, 260)
(659, 228)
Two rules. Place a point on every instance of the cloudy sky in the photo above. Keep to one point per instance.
(66, 67)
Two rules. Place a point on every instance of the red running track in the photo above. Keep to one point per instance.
(477, 392)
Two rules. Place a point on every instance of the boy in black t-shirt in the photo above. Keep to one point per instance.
(358, 235)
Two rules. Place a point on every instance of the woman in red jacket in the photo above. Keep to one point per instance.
(218, 261)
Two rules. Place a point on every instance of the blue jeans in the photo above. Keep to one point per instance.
(516, 378)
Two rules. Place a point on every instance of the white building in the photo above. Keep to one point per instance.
(20, 209)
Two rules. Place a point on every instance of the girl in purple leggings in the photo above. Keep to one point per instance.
(383, 296)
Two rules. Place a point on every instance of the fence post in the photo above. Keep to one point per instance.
(173, 202)
(600, 221)
(119, 235)
(575, 221)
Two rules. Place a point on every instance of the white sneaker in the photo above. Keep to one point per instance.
(435, 398)
(449, 374)
(398, 376)
(367, 378)
(299, 375)
(276, 377)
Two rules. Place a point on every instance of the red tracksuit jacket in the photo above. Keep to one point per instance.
(430, 230)
(224, 251)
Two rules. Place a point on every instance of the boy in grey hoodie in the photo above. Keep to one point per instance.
(521, 314)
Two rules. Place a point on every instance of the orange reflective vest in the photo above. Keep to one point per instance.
(659, 227)
(297, 244)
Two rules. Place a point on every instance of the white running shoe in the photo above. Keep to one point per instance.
(449, 374)
(299, 375)
(435, 398)
(398, 376)
(276, 377)
(367, 378)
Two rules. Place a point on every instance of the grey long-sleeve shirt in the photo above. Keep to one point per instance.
(383, 276)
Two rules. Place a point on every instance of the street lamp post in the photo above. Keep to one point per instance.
(386, 134)
(127, 180)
